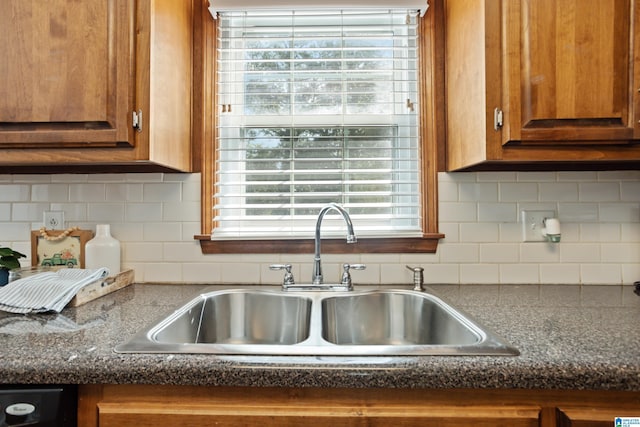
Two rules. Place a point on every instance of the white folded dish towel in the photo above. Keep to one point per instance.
(50, 291)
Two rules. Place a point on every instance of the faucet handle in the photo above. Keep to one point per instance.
(418, 278)
(346, 275)
(288, 275)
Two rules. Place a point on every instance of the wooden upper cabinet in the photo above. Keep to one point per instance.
(568, 68)
(544, 84)
(75, 74)
(67, 73)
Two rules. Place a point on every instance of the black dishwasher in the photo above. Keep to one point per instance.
(42, 405)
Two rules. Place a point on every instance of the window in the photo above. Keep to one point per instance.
(316, 107)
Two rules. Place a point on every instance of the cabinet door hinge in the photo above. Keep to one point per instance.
(497, 119)
(137, 120)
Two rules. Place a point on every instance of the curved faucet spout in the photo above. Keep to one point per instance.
(351, 238)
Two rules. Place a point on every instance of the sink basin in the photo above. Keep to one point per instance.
(394, 319)
(357, 323)
(239, 318)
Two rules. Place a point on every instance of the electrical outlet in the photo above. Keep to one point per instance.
(532, 225)
(54, 220)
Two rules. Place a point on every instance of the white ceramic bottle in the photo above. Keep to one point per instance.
(103, 251)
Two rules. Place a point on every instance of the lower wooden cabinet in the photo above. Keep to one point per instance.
(594, 416)
(185, 406)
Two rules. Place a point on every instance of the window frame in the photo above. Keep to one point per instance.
(431, 121)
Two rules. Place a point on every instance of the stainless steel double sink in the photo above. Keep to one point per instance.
(363, 322)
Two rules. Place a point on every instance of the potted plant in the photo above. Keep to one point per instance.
(8, 261)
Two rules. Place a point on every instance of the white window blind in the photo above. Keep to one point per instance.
(216, 6)
(317, 107)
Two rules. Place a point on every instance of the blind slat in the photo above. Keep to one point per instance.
(319, 106)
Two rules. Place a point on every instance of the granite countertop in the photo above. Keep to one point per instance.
(569, 337)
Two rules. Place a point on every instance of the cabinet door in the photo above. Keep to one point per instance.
(592, 417)
(180, 414)
(67, 74)
(569, 72)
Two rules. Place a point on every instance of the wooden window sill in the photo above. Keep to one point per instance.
(426, 244)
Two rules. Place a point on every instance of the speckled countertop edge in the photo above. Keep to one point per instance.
(570, 337)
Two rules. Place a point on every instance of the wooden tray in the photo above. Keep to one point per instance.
(102, 287)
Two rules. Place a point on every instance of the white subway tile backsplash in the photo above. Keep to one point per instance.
(241, 273)
(458, 211)
(106, 177)
(182, 252)
(497, 212)
(495, 176)
(619, 253)
(155, 216)
(15, 193)
(391, 274)
(519, 273)
(417, 260)
(510, 232)
(479, 232)
(49, 192)
(369, 275)
(15, 231)
(601, 274)
(87, 192)
(558, 191)
(143, 212)
(630, 272)
(441, 273)
(599, 191)
(127, 231)
(28, 211)
(63, 177)
(577, 176)
(105, 212)
(191, 190)
(518, 192)
(5, 212)
(181, 211)
(565, 273)
(459, 252)
(630, 233)
(578, 212)
(478, 192)
(124, 192)
(598, 232)
(500, 253)
(479, 273)
(447, 191)
(73, 212)
(162, 231)
(144, 177)
(630, 191)
(201, 273)
(143, 252)
(536, 176)
(163, 272)
(619, 212)
(580, 252)
(629, 175)
(190, 229)
(451, 231)
(539, 252)
(162, 192)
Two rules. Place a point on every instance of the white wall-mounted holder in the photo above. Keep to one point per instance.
(551, 229)
(533, 227)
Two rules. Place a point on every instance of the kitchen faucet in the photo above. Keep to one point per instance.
(351, 238)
